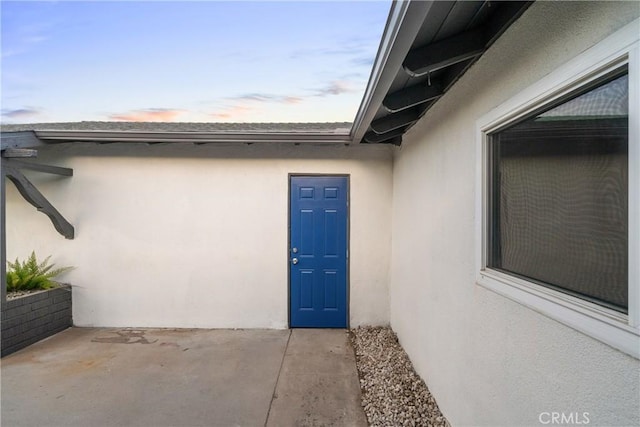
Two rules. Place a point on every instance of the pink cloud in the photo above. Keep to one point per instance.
(266, 97)
(234, 112)
(292, 100)
(336, 87)
(238, 108)
(21, 113)
(148, 115)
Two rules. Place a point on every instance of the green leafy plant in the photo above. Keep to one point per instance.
(32, 275)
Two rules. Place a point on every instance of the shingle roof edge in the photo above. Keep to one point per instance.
(91, 126)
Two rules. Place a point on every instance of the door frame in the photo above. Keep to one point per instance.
(288, 249)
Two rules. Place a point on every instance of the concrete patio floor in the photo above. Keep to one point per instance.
(160, 377)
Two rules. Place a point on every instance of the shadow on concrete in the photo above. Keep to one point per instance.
(199, 377)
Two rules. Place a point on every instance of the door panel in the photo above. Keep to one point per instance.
(318, 252)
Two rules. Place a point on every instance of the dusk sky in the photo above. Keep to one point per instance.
(202, 61)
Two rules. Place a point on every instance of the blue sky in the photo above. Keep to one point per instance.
(202, 61)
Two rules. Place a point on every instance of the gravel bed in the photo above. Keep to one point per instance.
(392, 393)
(18, 294)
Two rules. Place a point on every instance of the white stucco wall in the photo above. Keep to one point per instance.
(196, 236)
(489, 360)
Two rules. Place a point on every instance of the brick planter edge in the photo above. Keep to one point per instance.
(29, 319)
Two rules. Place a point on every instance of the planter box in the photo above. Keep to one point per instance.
(33, 317)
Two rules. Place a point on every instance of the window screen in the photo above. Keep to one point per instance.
(559, 194)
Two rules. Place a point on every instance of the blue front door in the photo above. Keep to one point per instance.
(318, 252)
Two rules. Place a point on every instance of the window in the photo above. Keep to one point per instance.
(558, 198)
(559, 194)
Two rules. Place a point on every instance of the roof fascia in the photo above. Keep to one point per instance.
(60, 136)
(22, 139)
(405, 20)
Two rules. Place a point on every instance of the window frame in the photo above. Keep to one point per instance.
(619, 330)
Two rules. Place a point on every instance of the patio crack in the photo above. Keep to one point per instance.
(275, 388)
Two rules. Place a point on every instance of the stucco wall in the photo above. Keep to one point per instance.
(196, 236)
(489, 360)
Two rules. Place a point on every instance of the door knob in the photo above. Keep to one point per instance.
(295, 260)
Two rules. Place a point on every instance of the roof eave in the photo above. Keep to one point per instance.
(60, 136)
(405, 20)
